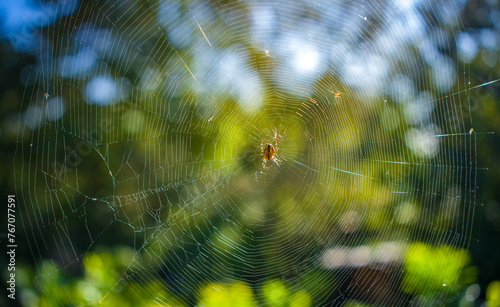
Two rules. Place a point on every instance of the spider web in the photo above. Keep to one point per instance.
(142, 127)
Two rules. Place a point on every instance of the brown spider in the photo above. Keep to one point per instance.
(337, 94)
(270, 151)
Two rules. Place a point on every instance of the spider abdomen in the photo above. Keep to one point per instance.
(269, 152)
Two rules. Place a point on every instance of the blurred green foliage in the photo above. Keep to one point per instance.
(493, 294)
(428, 269)
(99, 285)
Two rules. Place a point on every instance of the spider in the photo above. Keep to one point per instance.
(337, 94)
(270, 151)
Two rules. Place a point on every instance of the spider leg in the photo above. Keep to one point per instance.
(264, 164)
(276, 161)
(261, 143)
